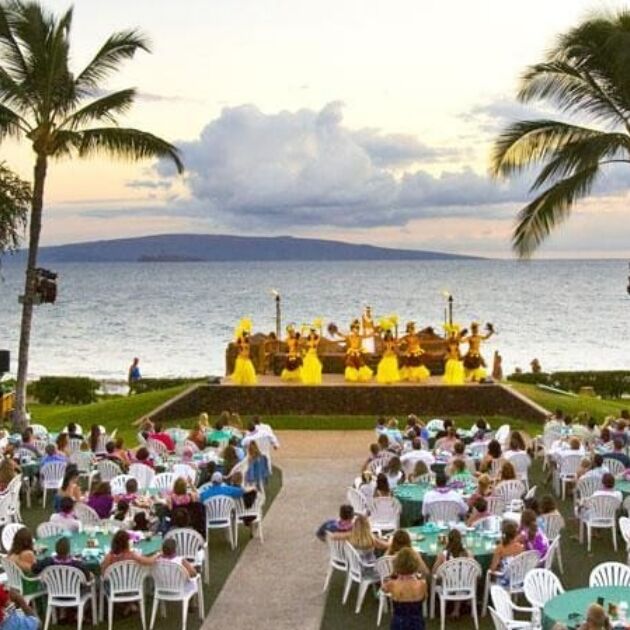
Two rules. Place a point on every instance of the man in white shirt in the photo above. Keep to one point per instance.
(443, 493)
(256, 430)
(416, 454)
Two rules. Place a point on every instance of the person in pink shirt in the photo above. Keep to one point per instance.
(163, 437)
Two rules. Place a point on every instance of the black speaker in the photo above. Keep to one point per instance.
(4, 361)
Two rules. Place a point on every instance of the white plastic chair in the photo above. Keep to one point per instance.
(599, 512)
(44, 530)
(385, 514)
(552, 525)
(456, 581)
(39, 430)
(125, 580)
(118, 484)
(530, 494)
(16, 580)
(516, 571)
(192, 546)
(505, 608)
(68, 588)
(51, 476)
(496, 505)
(12, 497)
(502, 435)
(101, 444)
(360, 573)
(220, 512)
(87, 515)
(478, 450)
(186, 471)
(443, 511)
(614, 466)
(384, 568)
(142, 474)
(83, 461)
(510, 490)
(163, 482)
(552, 554)
(359, 502)
(540, 586)
(107, 469)
(610, 574)
(253, 514)
(336, 559)
(8, 534)
(624, 528)
(521, 462)
(585, 487)
(567, 471)
(157, 447)
(74, 445)
(172, 584)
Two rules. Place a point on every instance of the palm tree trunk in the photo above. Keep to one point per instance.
(41, 165)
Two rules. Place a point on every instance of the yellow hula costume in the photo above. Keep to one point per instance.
(474, 364)
(454, 367)
(244, 371)
(312, 366)
(292, 372)
(387, 371)
(413, 367)
(356, 370)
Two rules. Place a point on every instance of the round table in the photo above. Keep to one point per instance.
(93, 556)
(623, 485)
(570, 608)
(411, 496)
(480, 544)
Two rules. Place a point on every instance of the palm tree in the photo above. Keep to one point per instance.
(586, 77)
(15, 202)
(43, 101)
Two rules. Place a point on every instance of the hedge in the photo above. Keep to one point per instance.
(64, 390)
(154, 384)
(607, 384)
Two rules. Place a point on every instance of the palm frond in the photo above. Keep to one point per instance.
(118, 48)
(10, 52)
(526, 142)
(130, 144)
(102, 109)
(11, 124)
(538, 218)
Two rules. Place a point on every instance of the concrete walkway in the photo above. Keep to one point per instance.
(278, 585)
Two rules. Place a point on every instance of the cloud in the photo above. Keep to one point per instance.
(149, 183)
(492, 116)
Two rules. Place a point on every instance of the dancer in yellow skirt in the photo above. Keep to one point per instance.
(474, 364)
(244, 371)
(356, 370)
(413, 369)
(292, 372)
(312, 366)
(387, 371)
(454, 367)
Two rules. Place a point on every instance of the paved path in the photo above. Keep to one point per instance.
(278, 585)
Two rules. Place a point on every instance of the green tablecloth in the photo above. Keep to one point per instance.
(623, 485)
(94, 556)
(411, 496)
(577, 601)
(480, 545)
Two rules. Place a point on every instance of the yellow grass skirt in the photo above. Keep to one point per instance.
(454, 372)
(312, 369)
(362, 375)
(416, 374)
(476, 375)
(244, 372)
(387, 371)
(292, 376)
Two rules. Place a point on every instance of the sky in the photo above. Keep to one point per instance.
(366, 121)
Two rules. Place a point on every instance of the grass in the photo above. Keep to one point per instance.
(577, 567)
(572, 405)
(222, 561)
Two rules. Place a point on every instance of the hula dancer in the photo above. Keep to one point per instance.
(414, 369)
(368, 330)
(454, 367)
(312, 366)
(292, 372)
(387, 371)
(244, 371)
(474, 363)
(356, 370)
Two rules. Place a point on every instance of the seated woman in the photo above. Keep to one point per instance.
(197, 435)
(169, 553)
(596, 619)
(362, 539)
(531, 535)
(394, 472)
(454, 549)
(7, 473)
(15, 613)
(382, 488)
(484, 489)
(143, 456)
(459, 471)
(480, 430)
(230, 459)
(61, 556)
(118, 457)
(63, 444)
(459, 455)
(66, 517)
(407, 591)
(479, 511)
(94, 437)
(101, 499)
(493, 460)
(516, 444)
(69, 487)
(120, 517)
(547, 505)
(447, 443)
(367, 484)
(183, 494)
(508, 473)
(420, 470)
(120, 550)
(375, 451)
(509, 546)
(22, 552)
(28, 442)
(402, 540)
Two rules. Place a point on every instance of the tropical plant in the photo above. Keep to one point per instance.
(15, 202)
(586, 77)
(62, 115)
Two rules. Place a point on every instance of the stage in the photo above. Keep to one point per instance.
(272, 396)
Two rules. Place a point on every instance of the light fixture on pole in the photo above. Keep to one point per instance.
(276, 295)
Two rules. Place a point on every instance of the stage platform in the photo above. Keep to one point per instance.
(272, 396)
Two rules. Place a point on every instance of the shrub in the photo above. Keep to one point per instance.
(64, 390)
(154, 384)
(607, 384)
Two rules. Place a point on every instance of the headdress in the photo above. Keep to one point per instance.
(355, 324)
(244, 325)
(452, 329)
(386, 323)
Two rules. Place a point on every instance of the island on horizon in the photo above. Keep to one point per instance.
(226, 248)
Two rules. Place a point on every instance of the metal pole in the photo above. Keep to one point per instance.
(278, 317)
(450, 310)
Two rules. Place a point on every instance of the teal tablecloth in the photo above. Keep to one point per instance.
(411, 496)
(623, 485)
(576, 602)
(481, 545)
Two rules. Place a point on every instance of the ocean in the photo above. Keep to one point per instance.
(178, 317)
